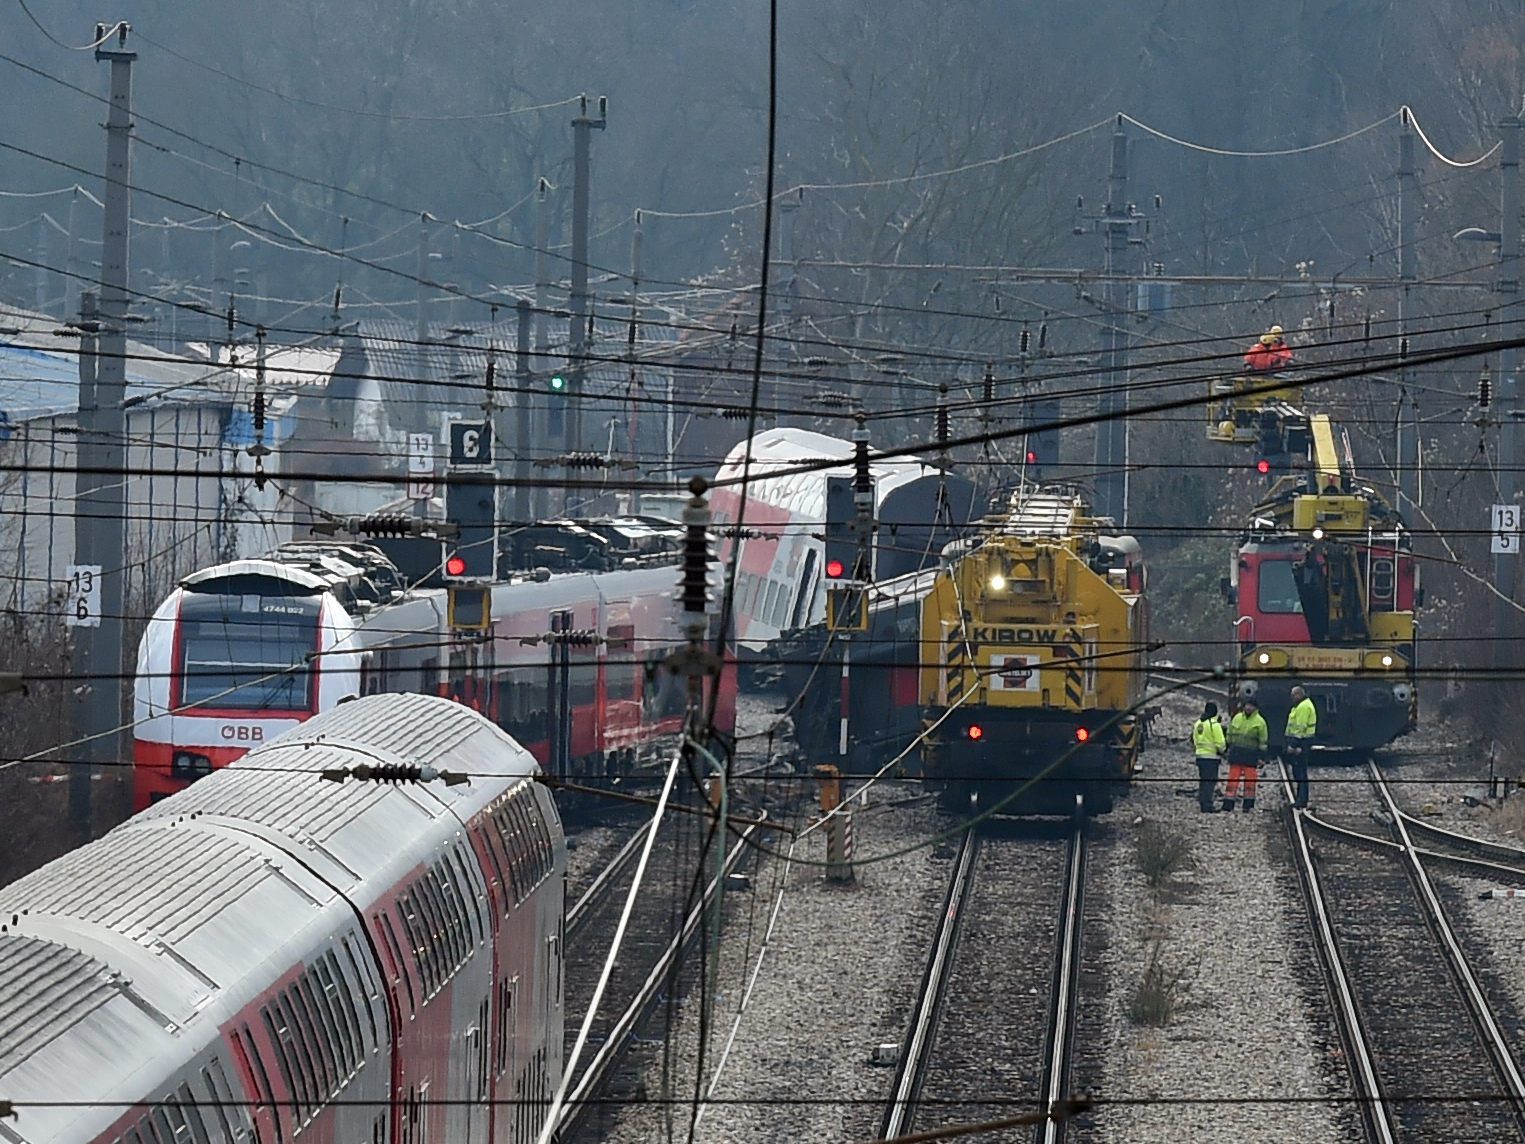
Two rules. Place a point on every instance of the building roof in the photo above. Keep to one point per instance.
(39, 372)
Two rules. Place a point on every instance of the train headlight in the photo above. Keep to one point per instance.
(1263, 658)
(188, 765)
(998, 583)
(1387, 661)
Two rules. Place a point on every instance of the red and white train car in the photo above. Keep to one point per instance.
(779, 579)
(242, 652)
(269, 956)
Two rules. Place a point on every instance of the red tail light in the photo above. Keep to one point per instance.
(976, 732)
(1082, 735)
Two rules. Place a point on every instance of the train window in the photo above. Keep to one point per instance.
(231, 1115)
(327, 1030)
(185, 1117)
(304, 1067)
(508, 830)
(1277, 594)
(469, 894)
(442, 928)
(254, 1065)
(435, 890)
(1382, 580)
(539, 839)
(280, 1037)
(340, 1002)
(583, 688)
(367, 993)
(806, 578)
(162, 1128)
(491, 844)
(311, 1040)
(400, 967)
(417, 927)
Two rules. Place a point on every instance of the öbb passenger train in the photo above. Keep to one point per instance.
(269, 956)
(241, 652)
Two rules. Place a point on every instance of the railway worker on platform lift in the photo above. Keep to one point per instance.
(1208, 744)
(1270, 354)
(1247, 739)
(1302, 726)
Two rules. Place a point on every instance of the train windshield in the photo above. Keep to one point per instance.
(248, 652)
(1278, 593)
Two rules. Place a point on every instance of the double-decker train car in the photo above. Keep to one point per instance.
(778, 552)
(269, 957)
(1016, 663)
(571, 665)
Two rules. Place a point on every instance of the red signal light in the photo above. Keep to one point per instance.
(1262, 466)
(1081, 735)
(976, 732)
(835, 569)
(1032, 456)
(455, 565)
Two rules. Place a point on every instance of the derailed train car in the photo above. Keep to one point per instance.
(1007, 675)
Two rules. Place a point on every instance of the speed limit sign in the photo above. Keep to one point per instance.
(82, 608)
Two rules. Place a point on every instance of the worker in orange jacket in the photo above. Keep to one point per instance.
(1270, 354)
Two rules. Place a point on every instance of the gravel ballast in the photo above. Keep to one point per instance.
(1252, 1017)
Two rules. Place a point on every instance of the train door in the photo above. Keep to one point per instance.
(472, 1077)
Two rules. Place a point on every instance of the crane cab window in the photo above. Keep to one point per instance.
(1277, 592)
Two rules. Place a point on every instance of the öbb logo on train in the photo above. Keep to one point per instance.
(242, 733)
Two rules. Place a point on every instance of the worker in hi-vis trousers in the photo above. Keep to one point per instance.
(1247, 739)
(1207, 744)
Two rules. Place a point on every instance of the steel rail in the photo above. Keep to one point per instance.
(1377, 1113)
(1065, 1001)
(1477, 867)
(601, 885)
(910, 1070)
(608, 1056)
(1494, 1041)
(1508, 857)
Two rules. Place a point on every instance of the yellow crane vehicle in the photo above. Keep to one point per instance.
(1322, 581)
(1033, 660)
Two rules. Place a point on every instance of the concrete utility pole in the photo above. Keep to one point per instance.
(1112, 433)
(524, 415)
(582, 145)
(101, 457)
(1407, 451)
(421, 318)
(1508, 395)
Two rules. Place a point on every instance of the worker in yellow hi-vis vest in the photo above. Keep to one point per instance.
(1207, 744)
(1302, 726)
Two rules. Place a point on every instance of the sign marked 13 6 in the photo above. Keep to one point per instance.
(82, 609)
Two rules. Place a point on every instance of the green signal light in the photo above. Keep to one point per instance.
(558, 383)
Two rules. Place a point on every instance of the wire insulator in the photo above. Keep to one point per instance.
(1485, 390)
(943, 433)
(1024, 340)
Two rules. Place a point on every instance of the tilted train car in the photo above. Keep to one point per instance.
(269, 956)
(241, 652)
(1013, 664)
(780, 583)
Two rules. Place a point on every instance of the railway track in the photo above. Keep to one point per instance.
(996, 1014)
(654, 943)
(1428, 1056)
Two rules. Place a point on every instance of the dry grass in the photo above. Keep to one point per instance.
(1162, 853)
(1161, 993)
